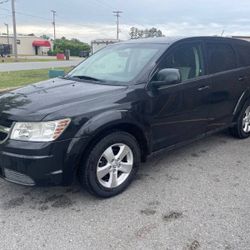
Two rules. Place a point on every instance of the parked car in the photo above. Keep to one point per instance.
(130, 99)
(84, 53)
(5, 50)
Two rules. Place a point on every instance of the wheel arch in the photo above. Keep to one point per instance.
(241, 102)
(99, 126)
(131, 128)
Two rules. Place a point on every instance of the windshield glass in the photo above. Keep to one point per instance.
(117, 63)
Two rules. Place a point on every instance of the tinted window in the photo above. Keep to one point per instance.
(188, 59)
(221, 57)
(244, 54)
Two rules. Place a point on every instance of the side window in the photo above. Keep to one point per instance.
(188, 59)
(221, 57)
(244, 54)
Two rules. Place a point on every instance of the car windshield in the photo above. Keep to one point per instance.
(117, 63)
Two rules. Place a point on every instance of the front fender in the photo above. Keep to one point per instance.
(107, 119)
(93, 127)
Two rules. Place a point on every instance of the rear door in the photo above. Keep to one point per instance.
(225, 82)
(243, 51)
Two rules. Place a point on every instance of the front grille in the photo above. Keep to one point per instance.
(1, 172)
(3, 136)
(4, 130)
(5, 122)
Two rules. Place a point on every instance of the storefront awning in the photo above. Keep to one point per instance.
(41, 43)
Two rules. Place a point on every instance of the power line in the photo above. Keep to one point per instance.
(117, 14)
(30, 15)
(5, 9)
(5, 15)
(4, 1)
(101, 3)
(106, 5)
(27, 14)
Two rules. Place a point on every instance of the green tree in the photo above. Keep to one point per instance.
(74, 45)
(136, 33)
(133, 32)
(153, 32)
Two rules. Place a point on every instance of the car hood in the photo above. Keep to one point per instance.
(41, 99)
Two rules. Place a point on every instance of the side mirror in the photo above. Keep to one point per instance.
(166, 77)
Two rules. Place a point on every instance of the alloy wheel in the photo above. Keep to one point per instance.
(246, 121)
(115, 165)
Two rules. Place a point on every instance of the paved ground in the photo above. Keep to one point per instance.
(197, 197)
(37, 65)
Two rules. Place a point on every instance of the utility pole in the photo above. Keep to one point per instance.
(54, 23)
(117, 14)
(8, 34)
(4, 1)
(14, 28)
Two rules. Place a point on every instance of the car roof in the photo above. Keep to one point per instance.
(170, 40)
(164, 40)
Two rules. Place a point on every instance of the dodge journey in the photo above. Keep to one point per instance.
(101, 120)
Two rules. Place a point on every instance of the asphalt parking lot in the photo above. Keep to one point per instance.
(196, 197)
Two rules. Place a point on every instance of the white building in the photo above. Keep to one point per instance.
(28, 45)
(246, 38)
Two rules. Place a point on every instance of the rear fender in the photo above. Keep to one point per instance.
(241, 102)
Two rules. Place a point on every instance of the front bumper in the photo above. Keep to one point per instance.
(41, 164)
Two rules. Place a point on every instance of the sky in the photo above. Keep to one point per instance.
(93, 19)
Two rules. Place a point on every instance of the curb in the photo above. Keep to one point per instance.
(6, 90)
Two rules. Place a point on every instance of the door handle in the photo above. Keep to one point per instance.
(203, 88)
(242, 78)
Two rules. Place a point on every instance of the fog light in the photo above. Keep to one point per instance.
(18, 178)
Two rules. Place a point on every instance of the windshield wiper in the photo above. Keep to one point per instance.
(87, 78)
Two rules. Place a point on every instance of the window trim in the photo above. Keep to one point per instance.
(169, 50)
(236, 45)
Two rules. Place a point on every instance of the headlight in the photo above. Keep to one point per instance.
(39, 131)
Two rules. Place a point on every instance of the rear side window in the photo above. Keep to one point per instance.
(244, 54)
(221, 57)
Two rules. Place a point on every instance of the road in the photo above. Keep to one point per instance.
(197, 197)
(37, 65)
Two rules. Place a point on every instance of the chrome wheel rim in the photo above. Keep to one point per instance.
(115, 165)
(246, 121)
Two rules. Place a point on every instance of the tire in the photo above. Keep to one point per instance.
(103, 174)
(239, 130)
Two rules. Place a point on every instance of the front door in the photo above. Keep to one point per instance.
(180, 111)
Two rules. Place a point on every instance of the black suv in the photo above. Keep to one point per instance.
(121, 104)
